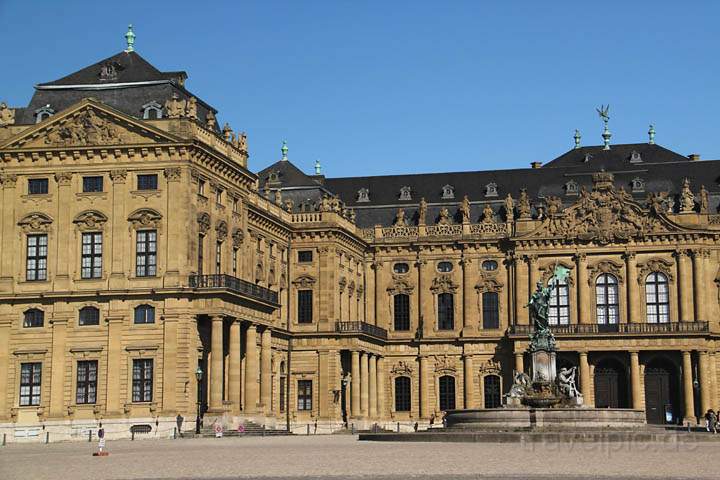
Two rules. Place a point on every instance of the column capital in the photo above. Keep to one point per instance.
(63, 178)
(628, 255)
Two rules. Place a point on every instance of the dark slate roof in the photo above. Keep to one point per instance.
(129, 67)
(288, 175)
(619, 156)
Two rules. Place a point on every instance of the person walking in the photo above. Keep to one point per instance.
(710, 420)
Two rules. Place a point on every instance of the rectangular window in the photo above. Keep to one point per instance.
(147, 182)
(142, 381)
(92, 184)
(37, 249)
(218, 258)
(304, 395)
(89, 316)
(446, 312)
(305, 256)
(401, 310)
(146, 253)
(33, 318)
(305, 306)
(235, 205)
(30, 383)
(234, 261)
(201, 255)
(91, 266)
(37, 186)
(86, 390)
(491, 310)
(218, 196)
(282, 393)
(201, 187)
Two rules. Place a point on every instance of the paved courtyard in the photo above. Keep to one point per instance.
(342, 456)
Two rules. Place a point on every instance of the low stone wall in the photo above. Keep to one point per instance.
(545, 418)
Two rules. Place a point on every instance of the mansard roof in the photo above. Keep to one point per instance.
(617, 157)
(288, 176)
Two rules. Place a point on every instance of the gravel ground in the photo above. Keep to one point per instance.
(342, 456)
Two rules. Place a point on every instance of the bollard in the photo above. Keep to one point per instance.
(132, 435)
(308, 429)
(47, 437)
(89, 435)
(352, 429)
(263, 431)
(175, 433)
(398, 427)
(4, 439)
(688, 425)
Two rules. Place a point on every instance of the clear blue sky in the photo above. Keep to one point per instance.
(382, 87)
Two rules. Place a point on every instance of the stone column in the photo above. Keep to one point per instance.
(699, 285)
(685, 287)
(424, 389)
(713, 378)
(7, 273)
(519, 362)
(364, 384)
(251, 369)
(521, 292)
(533, 274)
(689, 399)
(372, 372)
(114, 355)
(584, 376)
(57, 371)
(216, 365)
(266, 370)
(635, 380)
(583, 289)
(5, 326)
(380, 369)
(175, 244)
(355, 388)
(234, 367)
(470, 315)
(469, 381)
(323, 387)
(170, 360)
(633, 291)
(704, 374)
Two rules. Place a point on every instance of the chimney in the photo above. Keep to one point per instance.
(694, 157)
(536, 164)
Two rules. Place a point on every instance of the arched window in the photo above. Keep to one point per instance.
(491, 391)
(401, 311)
(89, 316)
(606, 299)
(446, 314)
(152, 111)
(33, 318)
(558, 307)
(447, 393)
(144, 314)
(402, 394)
(656, 298)
(490, 310)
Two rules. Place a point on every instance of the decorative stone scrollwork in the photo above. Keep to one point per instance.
(443, 284)
(401, 368)
(90, 220)
(259, 271)
(7, 115)
(605, 266)
(491, 367)
(444, 230)
(203, 220)
(488, 229)
(145, 218)
(342, 284)
(118, 176)
(221, 230)
(405, 193)
(549, 270)
(237, 237)
(363, 195)
(173, 174)
(655, 265)
(8, 179)
(85, 128)
(445, 364)
(351, 288)
(400, 285)
(488, 283)
(63, 178)
(304, 281)
(398, 232)
(35, 222)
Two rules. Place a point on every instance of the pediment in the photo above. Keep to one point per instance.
(88, 124)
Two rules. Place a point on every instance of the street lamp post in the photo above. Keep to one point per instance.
(198, 375)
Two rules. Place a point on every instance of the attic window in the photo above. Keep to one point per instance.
(571, 188)
(43, 112)
(587, 158)
(448, 192)
(491, 190)
(638, 185)
(635, 157)
(363, 195)
(152, 111)
(274, 177)
(405, 193)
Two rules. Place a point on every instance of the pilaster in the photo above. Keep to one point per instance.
(118, 229)
(372, 372)
(381, 386)
(704, 374)
(58, 368)
(633, 291)
(170, 358)
(699, 285)
(522, 316)
(5, 325)
(234, 366)
(470, 317)
(64, 247)
(688, 396)
(266, 370)
(364, 384)
(251, 370)
(114, 358)
(355, 387)
(685, 287)
(424, 389)
(469, 384)
(216, 364)
(7, 209)
(583, 292)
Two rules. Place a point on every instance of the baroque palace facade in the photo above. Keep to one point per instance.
(138, 248)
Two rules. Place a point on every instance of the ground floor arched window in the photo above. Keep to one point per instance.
(402, 394)
(447, 393)
(491, 391)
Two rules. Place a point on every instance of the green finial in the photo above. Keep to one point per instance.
(284, 150)
(318, 167)
(603, 111)
(651, 134)
(130, 38)
(577, 138)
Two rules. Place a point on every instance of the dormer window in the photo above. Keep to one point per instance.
(571, 188)
(405, 193)
(43, 112)
(635, 157)
(363, 195)
(638, 185)
(274, 177)
(448, 192)
(491, 190)
(152, 111)
(587, 158)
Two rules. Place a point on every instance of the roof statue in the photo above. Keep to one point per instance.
(704, 200)
(524, 205)
(509, 208)
(422, 211)
(604, 115)
(400, 218)
(284, 150)
(7, 115)
(444, 218)
(130, 39)
(465, 209)
(687, 199)
(210, 119)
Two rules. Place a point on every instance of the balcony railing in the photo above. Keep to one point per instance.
(620, 328)
(361, 327)
(233, 284)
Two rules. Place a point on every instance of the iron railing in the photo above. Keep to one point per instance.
(361, 327)
(622, 328)
(233, 284)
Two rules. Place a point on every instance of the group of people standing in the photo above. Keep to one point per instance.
(711, 420)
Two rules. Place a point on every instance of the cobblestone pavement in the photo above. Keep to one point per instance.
(342, 456)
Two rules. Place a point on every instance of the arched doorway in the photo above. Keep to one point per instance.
(491, 391)
(447, 393)
(662, 404)
(611, 386)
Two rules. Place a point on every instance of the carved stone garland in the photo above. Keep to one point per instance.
(145, 218)
(605, 266)
(655, 265)
(90, 220)
(35, 222)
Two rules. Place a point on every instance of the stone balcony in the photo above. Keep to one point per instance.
(234, 285)
(361, 327)
(615, 329)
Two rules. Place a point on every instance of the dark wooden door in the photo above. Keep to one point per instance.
(607, 383)
(657, 394)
